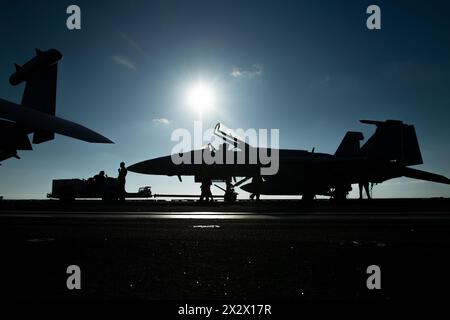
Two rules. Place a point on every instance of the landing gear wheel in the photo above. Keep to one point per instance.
(230, 196)
(340, 193)
(308, 197)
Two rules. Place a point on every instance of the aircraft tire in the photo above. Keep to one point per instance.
(230, 197)
(308, 197)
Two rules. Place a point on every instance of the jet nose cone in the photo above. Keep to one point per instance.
(152, 166)
(137, 167)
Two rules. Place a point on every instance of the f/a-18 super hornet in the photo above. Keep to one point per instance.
(36, 113)
(387, 154)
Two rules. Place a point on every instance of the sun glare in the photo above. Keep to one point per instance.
(200, 97)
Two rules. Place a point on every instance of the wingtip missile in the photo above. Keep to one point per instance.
(42, 59)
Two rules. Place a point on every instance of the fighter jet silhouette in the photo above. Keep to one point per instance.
(387, 154)
(36, 113)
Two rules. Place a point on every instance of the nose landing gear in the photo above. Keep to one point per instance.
(340, 193)
(230, 195)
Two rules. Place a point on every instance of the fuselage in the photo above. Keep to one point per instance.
(299, 170)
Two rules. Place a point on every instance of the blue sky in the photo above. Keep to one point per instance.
(309, 68)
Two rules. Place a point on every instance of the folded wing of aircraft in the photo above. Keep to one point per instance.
(36, 113)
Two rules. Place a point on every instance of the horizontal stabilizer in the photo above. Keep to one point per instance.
(423, 175)
(5, 154)
(13, 137)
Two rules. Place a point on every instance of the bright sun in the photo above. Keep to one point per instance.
(201, 97)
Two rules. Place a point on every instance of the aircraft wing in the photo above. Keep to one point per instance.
(34, 120)
(423, 175)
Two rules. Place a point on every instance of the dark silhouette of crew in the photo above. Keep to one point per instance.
(364, 185)
(100, 178)
(257, 182)
(205, 187)
(121, 181)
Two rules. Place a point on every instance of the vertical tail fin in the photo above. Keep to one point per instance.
(40, 74)
(393, 141)
(350, 145)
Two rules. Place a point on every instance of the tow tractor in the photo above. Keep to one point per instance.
(71, 189)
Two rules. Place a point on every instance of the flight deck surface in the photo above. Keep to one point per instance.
(184, 250)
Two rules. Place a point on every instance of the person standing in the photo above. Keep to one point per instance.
(257, 182)
(209, 196)
(203, 190)
(121, 181)
(205, 187)
(100, 178)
